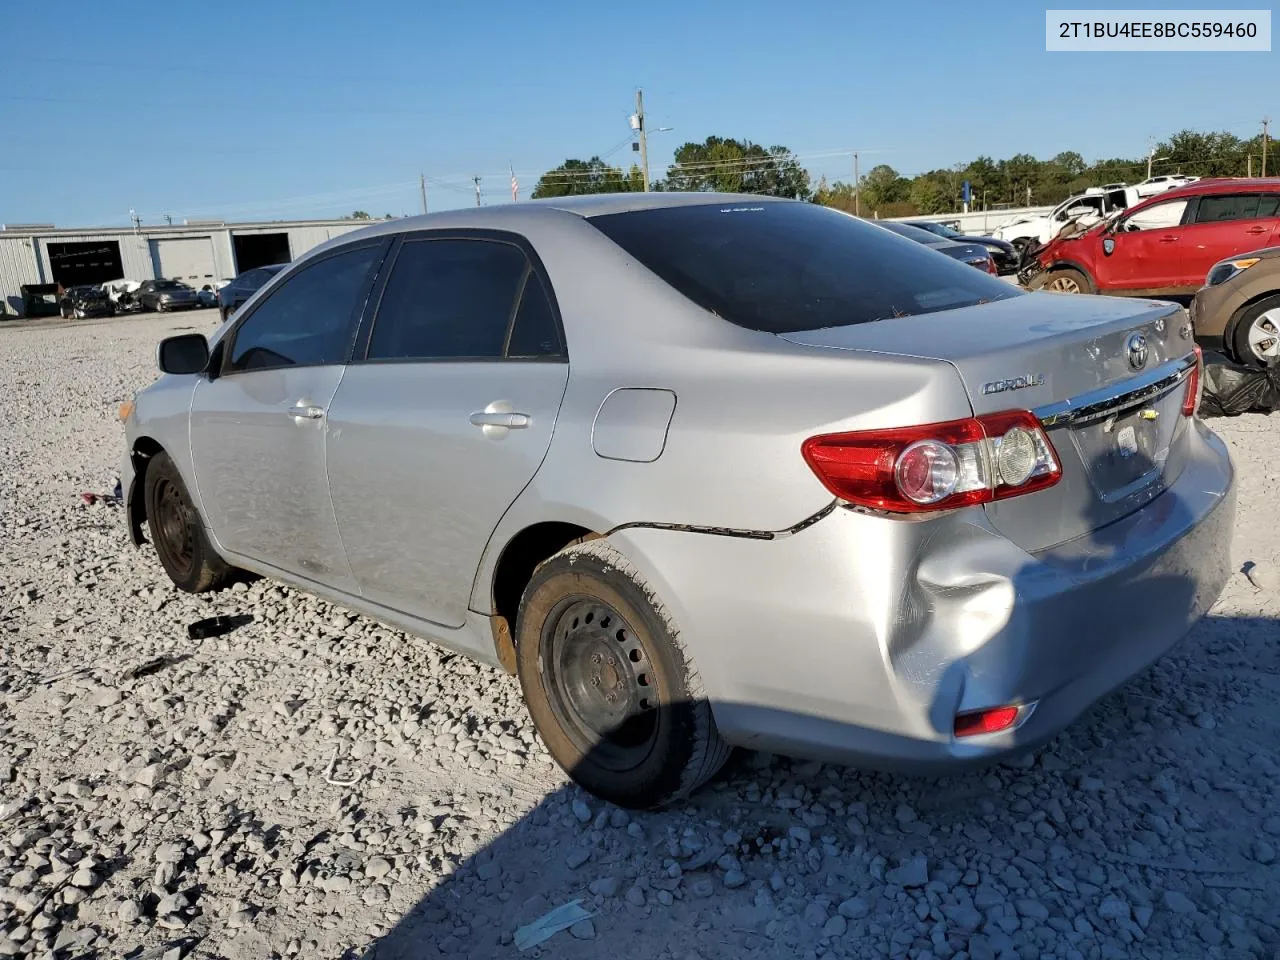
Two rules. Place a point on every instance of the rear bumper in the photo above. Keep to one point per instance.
(859, 639)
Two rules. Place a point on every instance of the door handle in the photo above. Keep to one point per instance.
(1258, 230)
(511, 421)
(1167, 238)
(306, 411)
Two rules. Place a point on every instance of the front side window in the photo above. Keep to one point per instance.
(456, 299)
(1221, 207)
(1158, 216)
(309, 319)
(783, 267)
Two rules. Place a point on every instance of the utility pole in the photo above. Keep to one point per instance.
(422, 186)
(857, 208)
(137, 221)
(476, 181)
(1266, 122)
(168, 219)
(644, 139)
(1151, 155)
(1249, 173)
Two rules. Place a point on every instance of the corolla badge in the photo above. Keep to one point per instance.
(1013, 383)
(1137, 348)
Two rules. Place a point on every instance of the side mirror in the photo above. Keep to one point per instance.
(185, 354)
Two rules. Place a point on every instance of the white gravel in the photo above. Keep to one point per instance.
(189, 810)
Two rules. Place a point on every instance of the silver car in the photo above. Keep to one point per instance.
(704, 471)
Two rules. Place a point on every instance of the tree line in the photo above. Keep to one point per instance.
(740, 166)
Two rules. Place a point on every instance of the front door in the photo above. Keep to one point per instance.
(1146, 249)
(258, 429)
(446, 419)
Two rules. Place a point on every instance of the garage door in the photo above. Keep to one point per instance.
(189, 259)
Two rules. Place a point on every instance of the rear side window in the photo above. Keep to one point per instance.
(782, 267)
(1269, 205)
(462, 299)
(309, 319)
(1220, 207)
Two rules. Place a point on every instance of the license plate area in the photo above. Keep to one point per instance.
(1129, 448)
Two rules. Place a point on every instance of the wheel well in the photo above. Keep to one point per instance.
(144, 448)
(521, 556)
(1229, 332)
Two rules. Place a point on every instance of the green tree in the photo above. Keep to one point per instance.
(733, 166)
(577, 177)
(881, 187)
(358, 215)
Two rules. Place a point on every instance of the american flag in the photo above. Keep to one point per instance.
(515, 185)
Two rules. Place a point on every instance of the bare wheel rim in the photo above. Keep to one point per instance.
(600, 681)
(1264, 335)
(173, 519)
(1064, 285)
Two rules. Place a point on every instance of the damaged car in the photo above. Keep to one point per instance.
(86, 300)
(1163, 246)
(703, 470)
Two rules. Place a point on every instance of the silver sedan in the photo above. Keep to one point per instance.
(704, 471)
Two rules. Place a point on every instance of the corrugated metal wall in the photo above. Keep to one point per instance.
(302, 239)
(17, 266)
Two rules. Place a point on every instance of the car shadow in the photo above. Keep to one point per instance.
(1065, 849)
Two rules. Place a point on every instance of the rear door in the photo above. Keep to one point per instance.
(1146, 248)
(445, 418)
(1224, 224)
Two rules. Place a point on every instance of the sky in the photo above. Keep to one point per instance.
(274, 110)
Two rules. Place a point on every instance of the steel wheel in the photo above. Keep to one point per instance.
(1263, 335)
(596, 675)
(174, 541)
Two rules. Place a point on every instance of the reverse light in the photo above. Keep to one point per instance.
(937, 466)
(1224, 271)
(1191, 400)
(991, 720)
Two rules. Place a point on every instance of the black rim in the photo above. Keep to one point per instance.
(173, 521)
(600, 682)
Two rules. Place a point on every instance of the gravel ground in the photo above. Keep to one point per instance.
(315, 784)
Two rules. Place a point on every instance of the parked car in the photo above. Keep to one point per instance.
(973, 254)
(903, 514)
(1002, 253)
(1237, 310)
(244, 286)
(1089, 207)
(85, 301)
(1156, 185)
(1164, 246)
(123, 295)
(164, 295)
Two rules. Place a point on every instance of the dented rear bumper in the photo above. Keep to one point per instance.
(859, 638)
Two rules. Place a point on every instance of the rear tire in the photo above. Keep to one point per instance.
(1256, 340)
(177, 531)
(1066, 280)
(608, 682)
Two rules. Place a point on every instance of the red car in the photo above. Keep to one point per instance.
(1164, 245)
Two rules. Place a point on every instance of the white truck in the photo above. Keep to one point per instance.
(1096, 203)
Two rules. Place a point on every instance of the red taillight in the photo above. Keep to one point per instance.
(991, 267)
(992, 720)
(938, 466)
(1192, 399)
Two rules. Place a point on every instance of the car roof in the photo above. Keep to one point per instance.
(1222, 185)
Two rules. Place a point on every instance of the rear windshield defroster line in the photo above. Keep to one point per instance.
(786, 267)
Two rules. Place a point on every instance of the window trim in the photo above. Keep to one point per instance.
(534, 268)
(226, 345)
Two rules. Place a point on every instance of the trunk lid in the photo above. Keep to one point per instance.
(1116, 425)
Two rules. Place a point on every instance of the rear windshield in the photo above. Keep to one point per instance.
(782, 267)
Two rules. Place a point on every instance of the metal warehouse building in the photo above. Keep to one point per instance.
(197, 252)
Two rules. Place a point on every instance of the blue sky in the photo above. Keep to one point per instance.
(279, 110)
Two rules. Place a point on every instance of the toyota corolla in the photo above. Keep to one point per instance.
(703, 471)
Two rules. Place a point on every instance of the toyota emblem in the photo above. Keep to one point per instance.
(1137, 351)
